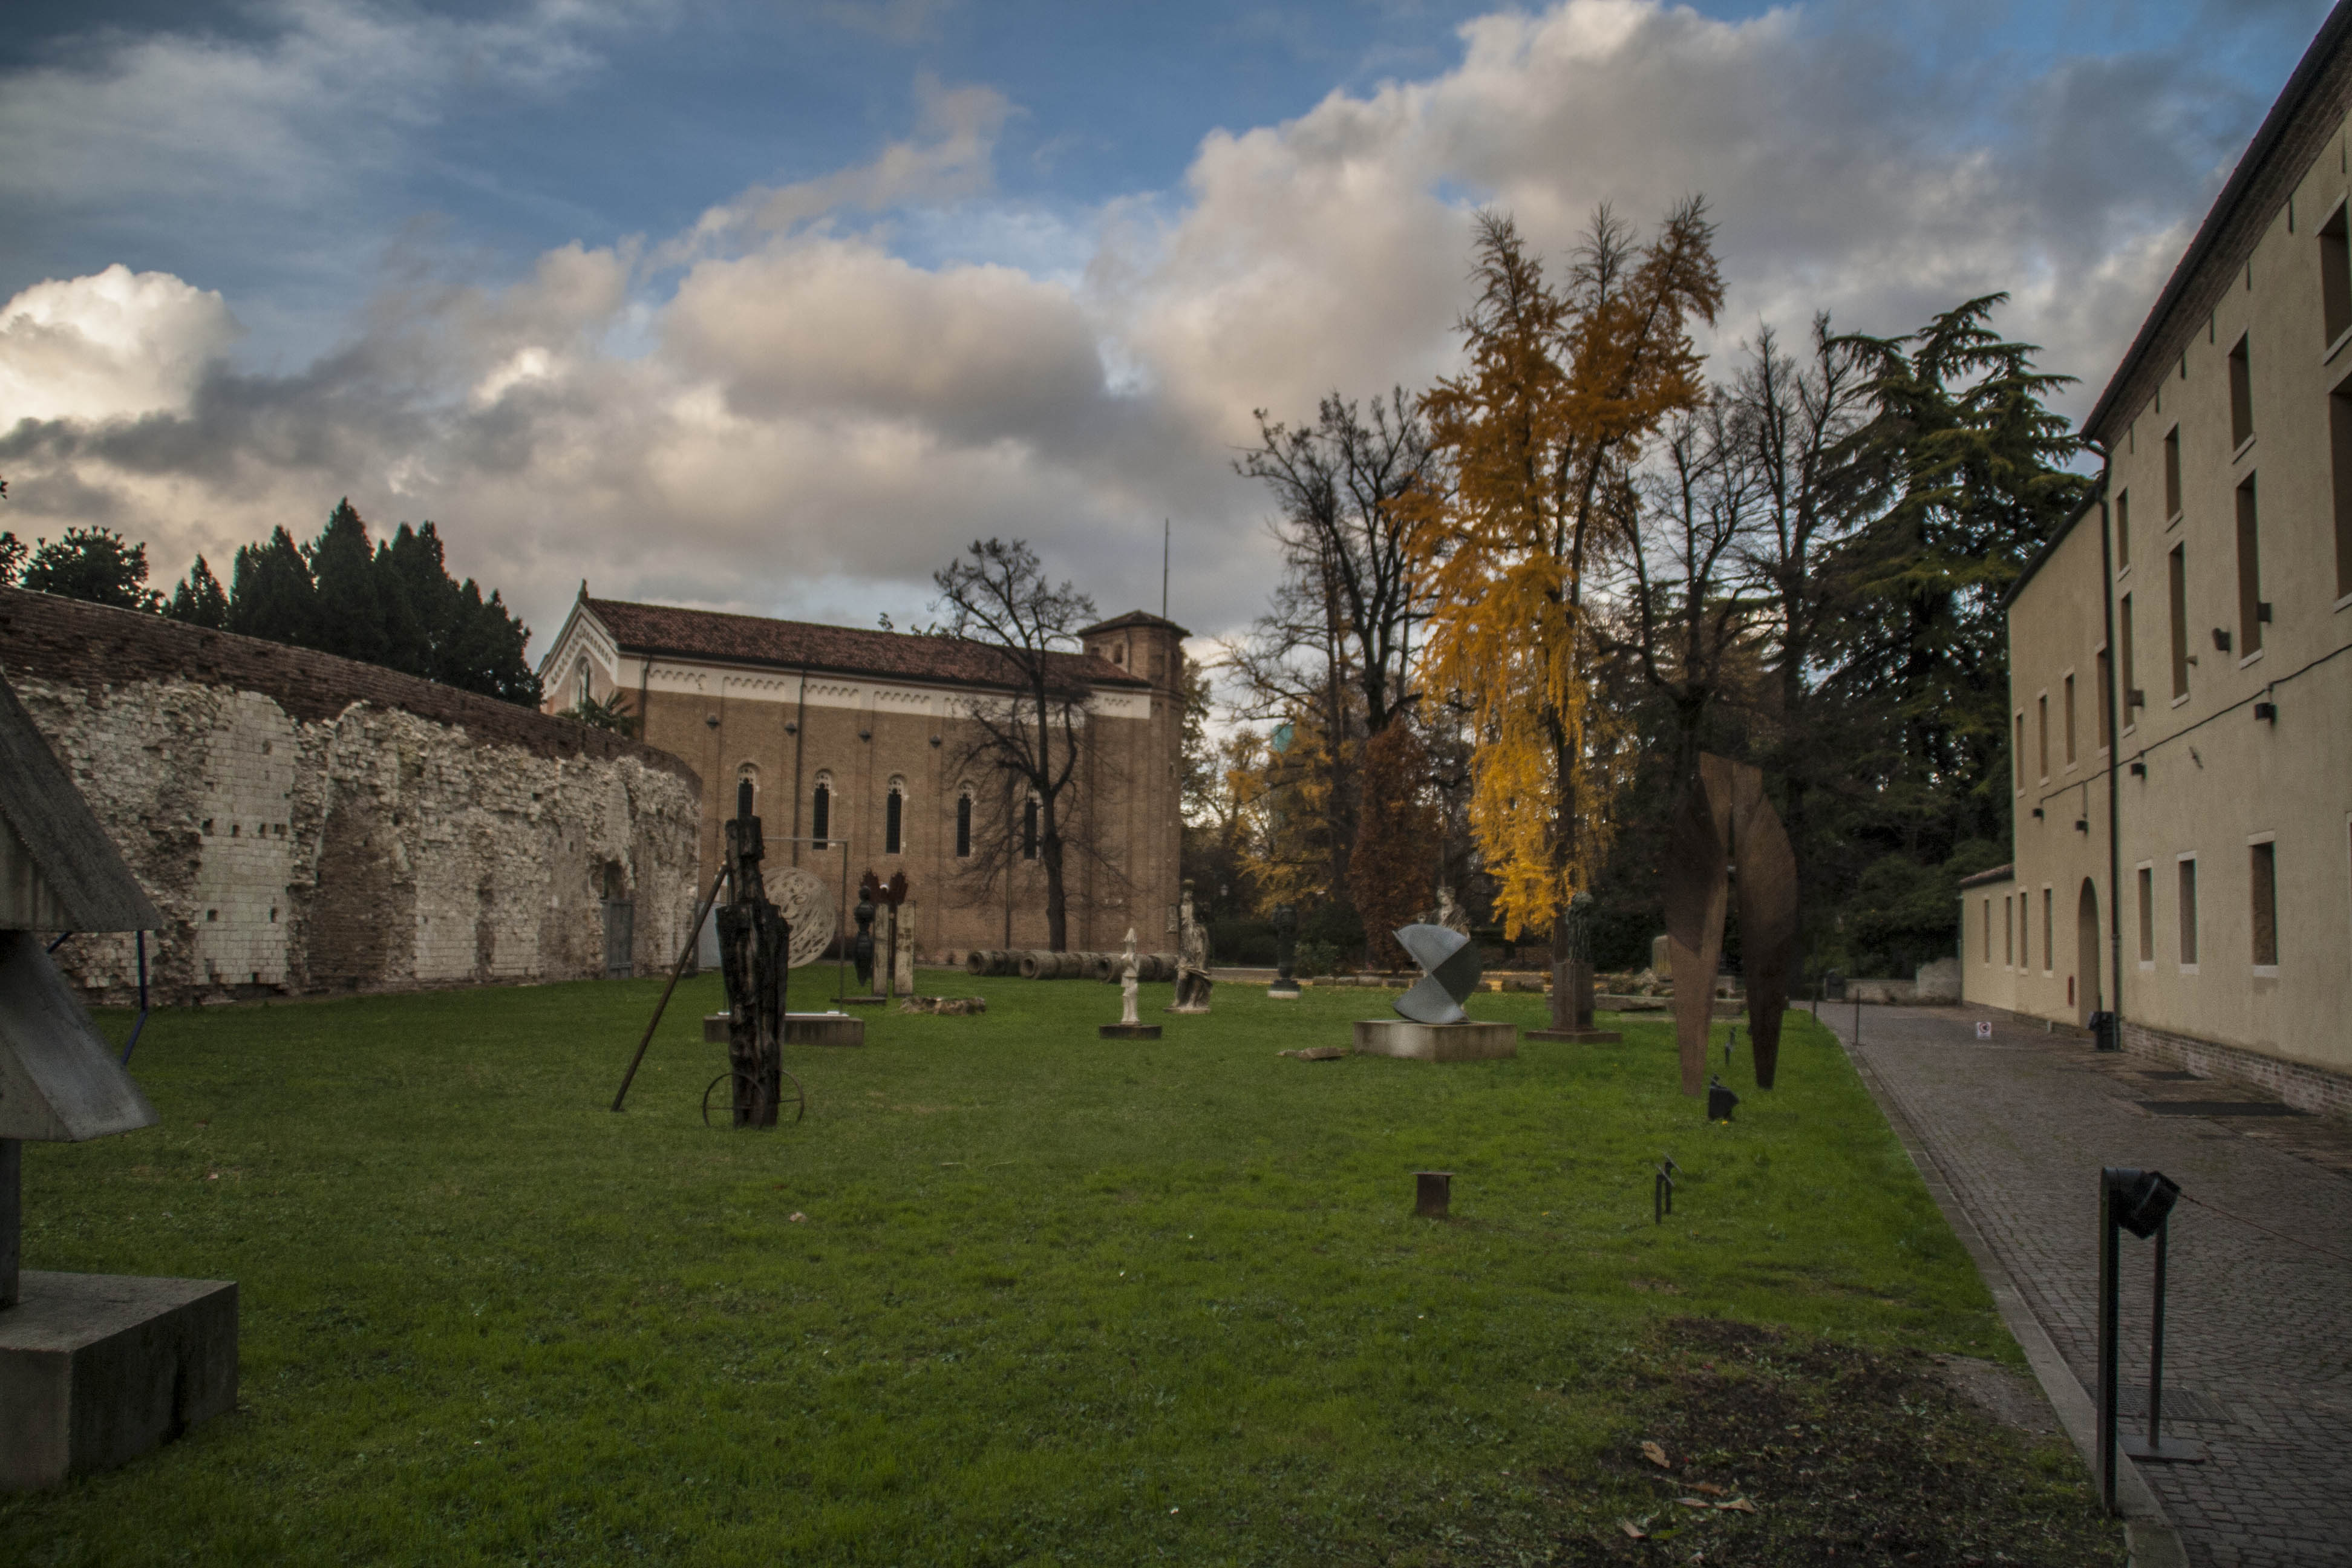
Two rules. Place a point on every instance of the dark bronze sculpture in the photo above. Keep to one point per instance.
(755, 962)
(1285, 949)
(1724, 826)
(1571, 984)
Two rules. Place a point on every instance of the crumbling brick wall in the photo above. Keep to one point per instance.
(309, 824)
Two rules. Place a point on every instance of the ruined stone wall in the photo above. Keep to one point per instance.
(311, 825)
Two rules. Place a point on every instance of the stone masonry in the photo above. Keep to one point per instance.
(309, 824)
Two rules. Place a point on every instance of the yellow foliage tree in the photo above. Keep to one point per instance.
(1541, 434)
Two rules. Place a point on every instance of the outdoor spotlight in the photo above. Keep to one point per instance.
(2266, 711)
(1719, 1100)
(2139, 770)
(865, 735)
(2037, 814)
(935, 740)
(2221, 639)
(2082, 824)
(2140, 1199)
(791, 727)
(711, 719)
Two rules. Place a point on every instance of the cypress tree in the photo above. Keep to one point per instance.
(198, 600)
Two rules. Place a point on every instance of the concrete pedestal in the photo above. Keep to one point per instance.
(1471, 1042)
(1283, 991)
(800, 1029)
(1128, 1031)
(97, 1369)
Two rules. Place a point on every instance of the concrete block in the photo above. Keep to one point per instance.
(1471, 1042)
(1128, 1031)
(97, 1369)
(823, 1029)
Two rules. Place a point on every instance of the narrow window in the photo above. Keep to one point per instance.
(2171, 474)
(2188, 913)
(963, 826)
(2123, 530)
(894, 817)
(2147, 914)
(2049, 929)
(1988, 931)
(2133, 696)
(2263, 861)
(2106, 678)
(2250, 608)
(2335, 279)
(2042, 731)
(2241, 397)
(2339, 439)
(2070, 720)
(2009, 930)
(1029, 830)
(2019, 754)
(820, 813)
(2177, 565)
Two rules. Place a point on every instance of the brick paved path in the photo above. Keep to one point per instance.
(2020, 1124)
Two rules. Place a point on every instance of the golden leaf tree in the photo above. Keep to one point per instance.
(1540, 436)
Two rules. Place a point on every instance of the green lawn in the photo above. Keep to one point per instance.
(1053, 1299)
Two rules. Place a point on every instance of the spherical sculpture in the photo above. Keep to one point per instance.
(807, 906)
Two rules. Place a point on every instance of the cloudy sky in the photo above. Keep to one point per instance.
(771, 306)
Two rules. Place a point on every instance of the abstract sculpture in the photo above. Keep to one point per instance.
(1449, 972)
(1724, 822)
(754, 964)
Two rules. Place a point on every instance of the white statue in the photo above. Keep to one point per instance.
(903, 932)
(1449, 914)
(1127, 987)
(1192, 980)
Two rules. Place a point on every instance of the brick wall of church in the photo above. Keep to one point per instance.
(308, 824)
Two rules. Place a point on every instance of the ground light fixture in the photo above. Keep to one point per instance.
(1719, 1100)
(2139, 1202)
(1433, 1193)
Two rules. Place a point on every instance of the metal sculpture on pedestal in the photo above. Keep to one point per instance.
(1725, 827)
(882, 942)
(94, 1369)
(861, 950)
(1286, 954)
(1571, 982)
(1449, 972)
(754, 957)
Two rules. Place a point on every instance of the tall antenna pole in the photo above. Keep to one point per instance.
(1167, 526)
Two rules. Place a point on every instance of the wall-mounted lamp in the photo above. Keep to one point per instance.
(2221, 639)
(711, 719)
(791, 727)
(2138, 697)
(2082, 824)
(2037, 814)
(2262, 610)
(2192, 659)
(935, 740)
(2139, 770)
(865, 735)
(2266, 711)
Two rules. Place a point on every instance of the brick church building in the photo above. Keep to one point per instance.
(861, 757)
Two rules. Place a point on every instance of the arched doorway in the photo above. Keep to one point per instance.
(2086, 954)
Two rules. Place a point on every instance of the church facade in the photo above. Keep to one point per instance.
(862, 755)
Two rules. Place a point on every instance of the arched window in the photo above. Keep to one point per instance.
(894, 817)
(749, 773)
(963, 823)
(821, 810)
(1029, 829)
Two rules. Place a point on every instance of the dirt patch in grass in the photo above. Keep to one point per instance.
(1846, 1455)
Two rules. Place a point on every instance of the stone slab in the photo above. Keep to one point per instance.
(799, 1028)
(1574, 1037)
(1471, 1042)
(1128, 1031)
(97, 1369)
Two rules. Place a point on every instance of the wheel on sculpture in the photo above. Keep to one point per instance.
(791, 1099)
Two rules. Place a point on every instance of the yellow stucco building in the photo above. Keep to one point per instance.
(2181, 654)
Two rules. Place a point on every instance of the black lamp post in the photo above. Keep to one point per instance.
(2139, 1202)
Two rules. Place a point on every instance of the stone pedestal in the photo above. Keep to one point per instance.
(799, 1028)
(97, 1369)
(1128, 1031)
(1470, 1042)
(1283, 991)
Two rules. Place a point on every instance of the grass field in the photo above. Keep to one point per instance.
(1010, 1294)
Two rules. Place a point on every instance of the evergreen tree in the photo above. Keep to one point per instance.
(93, 563)
(271, 594)
(350, 593)
(198, 600)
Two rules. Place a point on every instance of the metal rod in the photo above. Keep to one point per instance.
(1857, 1017)
(2156, 1343)
(2109, 1325)
(693, 938)
(140, 1021)
(12, 1211)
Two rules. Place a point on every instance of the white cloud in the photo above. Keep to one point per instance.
(807, 421)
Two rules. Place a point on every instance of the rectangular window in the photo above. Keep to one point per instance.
(893, 817)
(2334, 279)
(2339, 441)
(1029, 831)
(2049, 931)
(2123, 530)
(2241, 397)
(821, 815)
(2188, 911)
(2009, 930)
(2132, 696)
(2070, 720)
(1988, 931)
(2171, 475)
(2250, 573)
(2263, 862)
(2106, 680)
(2041, 728)
(2147, 914)
(964, 827)
(2176, 566)
(2019, 754)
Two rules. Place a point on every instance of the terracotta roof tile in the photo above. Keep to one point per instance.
(806, 644)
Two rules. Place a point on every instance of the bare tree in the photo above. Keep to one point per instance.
(997, 595)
